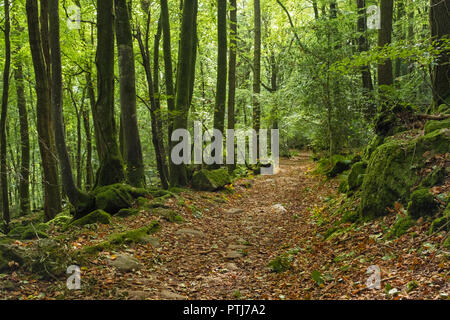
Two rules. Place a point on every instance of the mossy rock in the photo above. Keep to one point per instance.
(127, 212)
(447, 243)
(61, 219)
(385, 123)
(211, 180)
(433, 125)
(158, 193)
(141, 201)
(339, 167)
(356, 175)
(422, 203)
(140, 235)
(400, 227)
(373, 145)
(343, 186)
(169, 215)
(29, 232)
(8, 253)
(157, 203)
(392, 171)
(117, 196)
(281, 263)
(97, 216)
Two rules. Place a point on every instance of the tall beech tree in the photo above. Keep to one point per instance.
(440, 28)
(46, 138)
(385, 76)
(232, 70)
(4, 113)
(82, 202)
(178, 175)
(111, 164)
(221, 83)
(257, 69)
(127, 75)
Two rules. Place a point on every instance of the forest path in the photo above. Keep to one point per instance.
(224, 254)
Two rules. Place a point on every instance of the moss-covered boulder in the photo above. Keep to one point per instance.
(211, 180)
(117, 196)
(28, 232)
(356, 175)
(393, 170)
(61, 219)
(373, 145)
(168, 214)
(339, 167)
(433, 125)
(422, 203)
(140, 235)
(400, 227)
(10, 253)
(97, 216)
(128, 212)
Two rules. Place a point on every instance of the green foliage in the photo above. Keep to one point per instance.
(281, 263)
(400, 227)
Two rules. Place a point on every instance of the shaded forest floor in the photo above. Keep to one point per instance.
(223, 248)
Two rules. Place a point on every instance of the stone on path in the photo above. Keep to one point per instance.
(279, 208)
(234, 211)
(125, 263)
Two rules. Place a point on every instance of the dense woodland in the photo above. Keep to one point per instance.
(93, 90)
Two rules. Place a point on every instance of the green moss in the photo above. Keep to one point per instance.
(343, 186)
(141, 201)
(356, 175)
(158, 193)
(99, 216)
(281, 263)
(439, 223)
(61, 219)
(392, 171)
(140, 235)
(114, 197)
(422, 203)
(169, 215)
(375, 143)
(128, 212)
(400, 227)
(31, 231)
(433, 125)
(211, 180)
(447, 243)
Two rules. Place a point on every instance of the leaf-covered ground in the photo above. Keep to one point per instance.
(227, 240)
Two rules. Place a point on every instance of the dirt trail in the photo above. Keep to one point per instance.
(224, 254)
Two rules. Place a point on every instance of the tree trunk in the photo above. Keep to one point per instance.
(232, 71)
(4, 112)
(440, 27)
(178, 175)
(385, 77)
(363, 45)
(24, 185)
(221, 84)
(127, 79)
(111, 166)
(257, 71)
(52, 195)
(168, 70)
(81, 202)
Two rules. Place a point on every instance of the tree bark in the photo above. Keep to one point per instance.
(178, 176)
(440, 27)
(111, 166)
(257, 71)
(4, 112)
(127, 79)
(46, 139)
(232, 70)
(385, 76)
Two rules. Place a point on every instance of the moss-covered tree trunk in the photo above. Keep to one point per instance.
(111, 166)
(24, 184)
(440, 27)
(4, 112)
(82, 202)
(178, 176)
(127, 79)
(46, 139)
